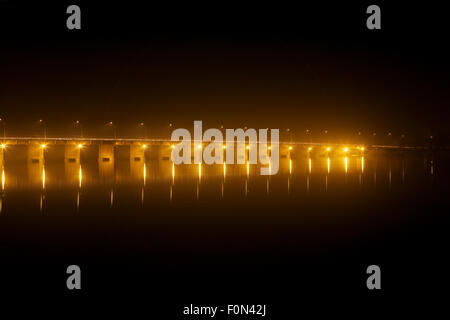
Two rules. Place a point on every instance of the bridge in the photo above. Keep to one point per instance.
(140, 148)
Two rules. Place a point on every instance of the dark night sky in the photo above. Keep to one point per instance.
(258, 65)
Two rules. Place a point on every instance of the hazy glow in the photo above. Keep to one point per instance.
(246, 188)
(248, 169)
(43, 178)
(309, 149)
(198, 191)
(80, 177)
(144, 146)
(346, 164)
(328, 165)
(111, 198)
(345, 149)
(3, 146)
(145, 174)
(328, 149)
(309, 165)
(80, 146)
(199, 172)
(224, 169)
(290, 166)
(43, 146)
(172, 146)
(224, 147)
(362, 164)
(173, 173)
(3, 178)
(290, 148)
(270, 148)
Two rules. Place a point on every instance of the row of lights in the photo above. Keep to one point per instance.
(308, 131)
(346, 149)
(144, 146)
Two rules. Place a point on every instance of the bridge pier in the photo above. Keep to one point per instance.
(36, 153)
(106, 153)
(137, 160)
(164, 152)
(137, 153)
(72, 153)
(2, 157)
(284, 157)
(106, 160)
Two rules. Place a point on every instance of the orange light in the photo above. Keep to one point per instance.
(290, 148)
(43, 146)
(3, 146)
(80, 146)
(309, 149)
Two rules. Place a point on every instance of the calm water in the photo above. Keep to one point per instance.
(329, 195)
(132, 187)
(354, 210)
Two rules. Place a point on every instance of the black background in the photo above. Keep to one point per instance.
(297, 65)
(229, 53)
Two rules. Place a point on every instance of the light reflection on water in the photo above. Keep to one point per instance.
(296, 177)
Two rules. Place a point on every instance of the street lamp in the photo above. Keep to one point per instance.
(44, 127)
(4, 127)
(144, 127)
(78, 124)
(290, 134)
(113, 126)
